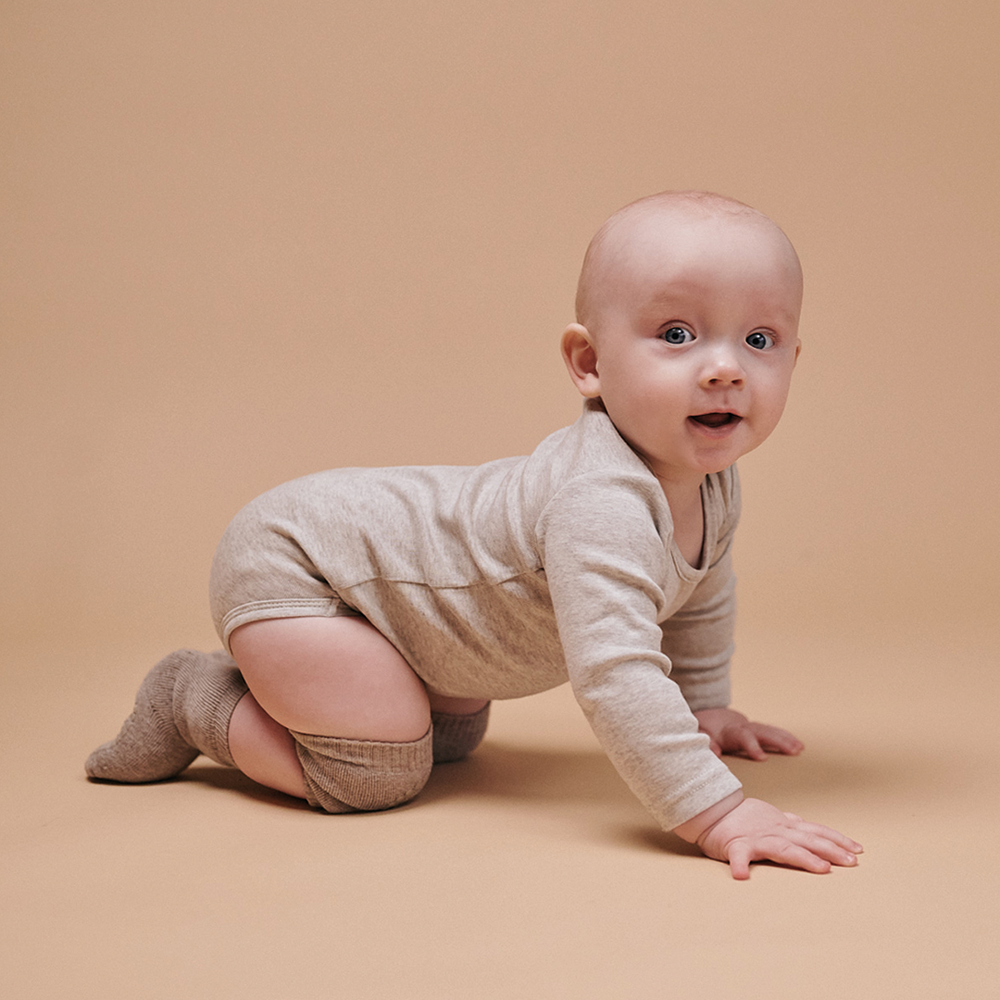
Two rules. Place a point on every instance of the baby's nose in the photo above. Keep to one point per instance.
(723, 369)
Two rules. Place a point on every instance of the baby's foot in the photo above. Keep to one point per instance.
(149, 746)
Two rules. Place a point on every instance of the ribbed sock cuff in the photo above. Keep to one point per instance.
(456, 736)
(205, 696)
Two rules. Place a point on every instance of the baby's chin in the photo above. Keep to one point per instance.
(717, 459)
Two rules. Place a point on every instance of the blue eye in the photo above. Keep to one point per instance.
(760, 341)
(677, 335)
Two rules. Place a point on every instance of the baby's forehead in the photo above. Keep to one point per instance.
(644, 230)
(674, 235)
(711, 253)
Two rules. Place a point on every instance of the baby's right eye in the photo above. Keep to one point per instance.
(677, 335)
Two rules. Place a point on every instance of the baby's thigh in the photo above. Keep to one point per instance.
(332, 677)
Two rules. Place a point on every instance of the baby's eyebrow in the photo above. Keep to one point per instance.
(665, 302)
(791, 317)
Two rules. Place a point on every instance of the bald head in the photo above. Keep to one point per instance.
(651, 230)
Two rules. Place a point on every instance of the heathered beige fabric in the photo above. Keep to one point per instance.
(183, 708)
(456, 736)
(344, 775)
(506, 579)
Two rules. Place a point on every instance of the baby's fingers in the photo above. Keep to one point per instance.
(778, 740)
(811, 859)
(827, 833)
(740, 857)
(817, 858)
(829, 850)
(742, 852)
(743, 739)
(811, 851)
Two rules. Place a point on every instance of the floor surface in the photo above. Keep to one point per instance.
(526, 871)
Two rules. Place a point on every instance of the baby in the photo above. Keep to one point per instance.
(371, 615)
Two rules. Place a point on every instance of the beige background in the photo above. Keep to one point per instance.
(245, 241)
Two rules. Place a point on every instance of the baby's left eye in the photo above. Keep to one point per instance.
(760, 341)
(677, 335)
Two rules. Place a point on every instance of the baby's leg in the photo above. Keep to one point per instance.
(339, 676)
(334, 715)
(182, 709)
(337, 715)
(459, 726)
(264, 750)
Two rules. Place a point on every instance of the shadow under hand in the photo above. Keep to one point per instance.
(580, 784)
(565, 779)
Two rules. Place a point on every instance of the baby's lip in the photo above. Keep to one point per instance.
(716, 418)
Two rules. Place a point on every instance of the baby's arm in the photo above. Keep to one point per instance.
(741, 830)
(618, 663)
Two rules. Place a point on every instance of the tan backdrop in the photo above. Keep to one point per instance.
(248, 240)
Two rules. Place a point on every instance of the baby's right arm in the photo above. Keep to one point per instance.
(741, 830)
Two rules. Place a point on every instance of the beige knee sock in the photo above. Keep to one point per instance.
(344, 775)
(182, 709)
(456, 736)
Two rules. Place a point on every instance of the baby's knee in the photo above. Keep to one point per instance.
(345, 775)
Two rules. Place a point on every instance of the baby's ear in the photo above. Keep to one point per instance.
(581, 360)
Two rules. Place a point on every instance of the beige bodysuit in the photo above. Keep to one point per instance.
(510, 578)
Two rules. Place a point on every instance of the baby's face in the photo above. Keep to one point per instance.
(696, 337)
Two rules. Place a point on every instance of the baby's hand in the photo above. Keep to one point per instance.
(732, 732)
(757, 831)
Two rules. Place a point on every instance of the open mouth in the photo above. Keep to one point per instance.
(716, 419)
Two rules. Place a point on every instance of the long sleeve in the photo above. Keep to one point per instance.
(611, 580)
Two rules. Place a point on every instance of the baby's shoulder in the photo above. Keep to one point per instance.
(591, 447)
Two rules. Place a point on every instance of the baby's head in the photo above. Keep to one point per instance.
(634, 240)
(687, 329)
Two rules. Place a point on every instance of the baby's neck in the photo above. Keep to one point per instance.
(689, 519)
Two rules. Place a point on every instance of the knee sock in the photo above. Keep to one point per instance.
(183, 708)
(456, 736)
(343, 775)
